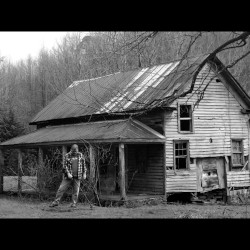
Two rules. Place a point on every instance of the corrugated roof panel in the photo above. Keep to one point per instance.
(121, 96)
(119, 92)
(117, 130)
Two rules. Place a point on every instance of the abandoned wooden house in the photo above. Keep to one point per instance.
(167, 133)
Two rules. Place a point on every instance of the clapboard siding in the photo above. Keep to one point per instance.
(152, 181)
(238, 179)
(218, 117)
(181, 181)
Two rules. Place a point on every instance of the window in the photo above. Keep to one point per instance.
(185, 118)
(181, 155)
(237, 153)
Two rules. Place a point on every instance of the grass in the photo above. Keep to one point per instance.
(12, 206)
(15, 207)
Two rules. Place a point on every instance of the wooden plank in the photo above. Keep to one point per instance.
(40, 167)
(122, 171)
(238, 182)
(171, 178)
(126, 165)
(1, 170)
(242, 178)
(239, 185)
(19, 172)
(180, 190)
(237, 173)
(182, 187)
(92, 163)
(236, 177)
(220, 166)
(194, 188)
(64, 152)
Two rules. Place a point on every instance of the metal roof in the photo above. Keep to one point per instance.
(106, 131)
(122, 91)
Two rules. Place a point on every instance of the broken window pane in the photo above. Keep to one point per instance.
(181, 155)
(180, 163)
(237, 153)
(236, 146)
(237, 159)
(185, 118)
(185, 125)
(185, 111)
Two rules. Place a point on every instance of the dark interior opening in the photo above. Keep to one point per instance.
(185, 111)
(185, 118)
(185, 125)
(181, 163)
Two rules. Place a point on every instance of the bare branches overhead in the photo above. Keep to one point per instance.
(31, 84)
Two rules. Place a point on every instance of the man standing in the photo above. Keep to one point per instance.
(74, 169)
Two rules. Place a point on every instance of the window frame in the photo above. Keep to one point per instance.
(235, 166)
(187, 156)
(191, 118)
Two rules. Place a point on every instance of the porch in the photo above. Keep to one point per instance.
(134, 172)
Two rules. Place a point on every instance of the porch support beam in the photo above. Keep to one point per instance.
(1, 170)
(40, 166)
(92, 157)
(19, 171)
(64, 152)
(248, 123)
(122, 171)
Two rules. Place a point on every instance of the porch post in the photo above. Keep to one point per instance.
(92, 156)
(1, 170)
(122, 171)
(64, 152)
(40, 165)
(19, 172)
(248, 123)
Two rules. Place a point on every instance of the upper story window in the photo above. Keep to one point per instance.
(185, 118)
(237, 153)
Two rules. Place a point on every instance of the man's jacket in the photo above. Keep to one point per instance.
(67, 166)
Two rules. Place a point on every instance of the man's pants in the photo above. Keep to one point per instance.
(65, 185)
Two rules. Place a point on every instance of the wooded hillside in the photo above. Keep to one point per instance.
(29, 85)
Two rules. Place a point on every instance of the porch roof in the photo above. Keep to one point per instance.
(128, 130)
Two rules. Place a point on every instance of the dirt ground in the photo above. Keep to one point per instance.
(14, 207)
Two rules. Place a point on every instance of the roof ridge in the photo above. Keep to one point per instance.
(136, 68)
(91, 79)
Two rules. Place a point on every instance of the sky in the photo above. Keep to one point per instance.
(18, 45)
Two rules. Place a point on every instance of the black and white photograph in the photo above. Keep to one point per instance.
(125, 124)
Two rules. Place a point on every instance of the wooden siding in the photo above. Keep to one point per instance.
(152, 180)
(181, 181)
(218, 118)
(238, 178)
